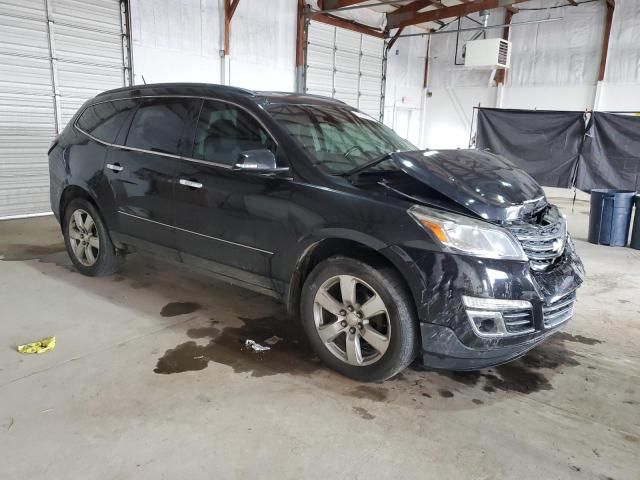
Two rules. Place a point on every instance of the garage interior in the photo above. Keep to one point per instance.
(149, 377)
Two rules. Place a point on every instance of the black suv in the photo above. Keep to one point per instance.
(382, 251)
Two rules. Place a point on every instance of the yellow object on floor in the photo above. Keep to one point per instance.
(40, 346)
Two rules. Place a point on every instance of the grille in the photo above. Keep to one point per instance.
(503, 53)
(559, 311)
(543, 239)
(518, 321)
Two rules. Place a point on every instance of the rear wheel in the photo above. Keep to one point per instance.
(360, 320)
(87, 240)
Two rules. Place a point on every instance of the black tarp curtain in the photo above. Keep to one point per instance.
(565, 149)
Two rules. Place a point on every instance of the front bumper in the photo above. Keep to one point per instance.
(448, 339)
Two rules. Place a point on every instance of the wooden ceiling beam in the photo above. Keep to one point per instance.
(331, 4)
(407, 11)
(347, 24)
(448, 12)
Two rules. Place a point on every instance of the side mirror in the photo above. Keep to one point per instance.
(260, 161)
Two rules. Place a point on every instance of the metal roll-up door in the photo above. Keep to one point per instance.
(54, 55)
(345, 65)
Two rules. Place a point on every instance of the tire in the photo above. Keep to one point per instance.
(92, 258)
(395, 332)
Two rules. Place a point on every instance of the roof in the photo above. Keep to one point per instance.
(212, 89)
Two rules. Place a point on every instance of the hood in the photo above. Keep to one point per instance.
(484, 183)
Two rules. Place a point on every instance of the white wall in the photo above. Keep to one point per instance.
(174, 41)
(263, 45)
(404, 95)
(554, 66)
(181, 40)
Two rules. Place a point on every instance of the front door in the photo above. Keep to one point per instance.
(228, 217)
(141, 172)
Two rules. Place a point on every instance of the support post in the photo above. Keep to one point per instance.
(301, 41)
(605, 39)
(225, 66)
(604, 53)
(501, 75)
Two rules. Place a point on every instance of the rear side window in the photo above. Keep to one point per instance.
(159, 123)
(224, 131)
(104, 120)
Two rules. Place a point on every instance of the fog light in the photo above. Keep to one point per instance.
(487, 324)
(485, 315)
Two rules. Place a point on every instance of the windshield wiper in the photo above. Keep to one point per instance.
(365, 166)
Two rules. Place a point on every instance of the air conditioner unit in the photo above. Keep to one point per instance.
(490, 53)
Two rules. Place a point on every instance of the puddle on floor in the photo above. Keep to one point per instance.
(523, 375)
(577, 338)
(290, 355)
(375, 394)
(21, 253)
(174, 309)
(363, 413)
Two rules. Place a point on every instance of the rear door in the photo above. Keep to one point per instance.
(229, 217)
(141, 171)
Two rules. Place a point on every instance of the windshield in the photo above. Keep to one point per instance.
(340, 138)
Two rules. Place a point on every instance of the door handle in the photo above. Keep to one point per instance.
(190, 183)
(116, 167)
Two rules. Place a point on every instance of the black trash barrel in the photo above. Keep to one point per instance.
(610, 216)
(635, 233)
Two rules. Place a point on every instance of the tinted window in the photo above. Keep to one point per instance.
(104, 120)
(339, 137)
(224, 131)
(158, 124)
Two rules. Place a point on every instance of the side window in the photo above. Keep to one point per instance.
(224, 131)
(159, 123)
(104, 120)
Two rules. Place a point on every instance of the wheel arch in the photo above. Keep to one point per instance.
(320, 250)
(71, 192)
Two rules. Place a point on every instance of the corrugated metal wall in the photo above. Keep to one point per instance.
(54, 55)
(345, 65)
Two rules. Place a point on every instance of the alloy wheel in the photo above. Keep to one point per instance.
(83, 237)
(352, 320)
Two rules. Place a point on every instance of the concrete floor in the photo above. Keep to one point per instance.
(149, 379)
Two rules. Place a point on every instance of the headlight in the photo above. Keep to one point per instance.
(462, 234)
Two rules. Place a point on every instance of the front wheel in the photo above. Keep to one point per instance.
(87, 240)
(360, 320)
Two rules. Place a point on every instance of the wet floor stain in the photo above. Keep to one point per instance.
(187, 357)
(525, 375)
(216, 343)
(375, 394)
(363, 413)
(631, 438)
(444, 393)
(174, 309)
(227, 346)
(29, 252)
(577, 338)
